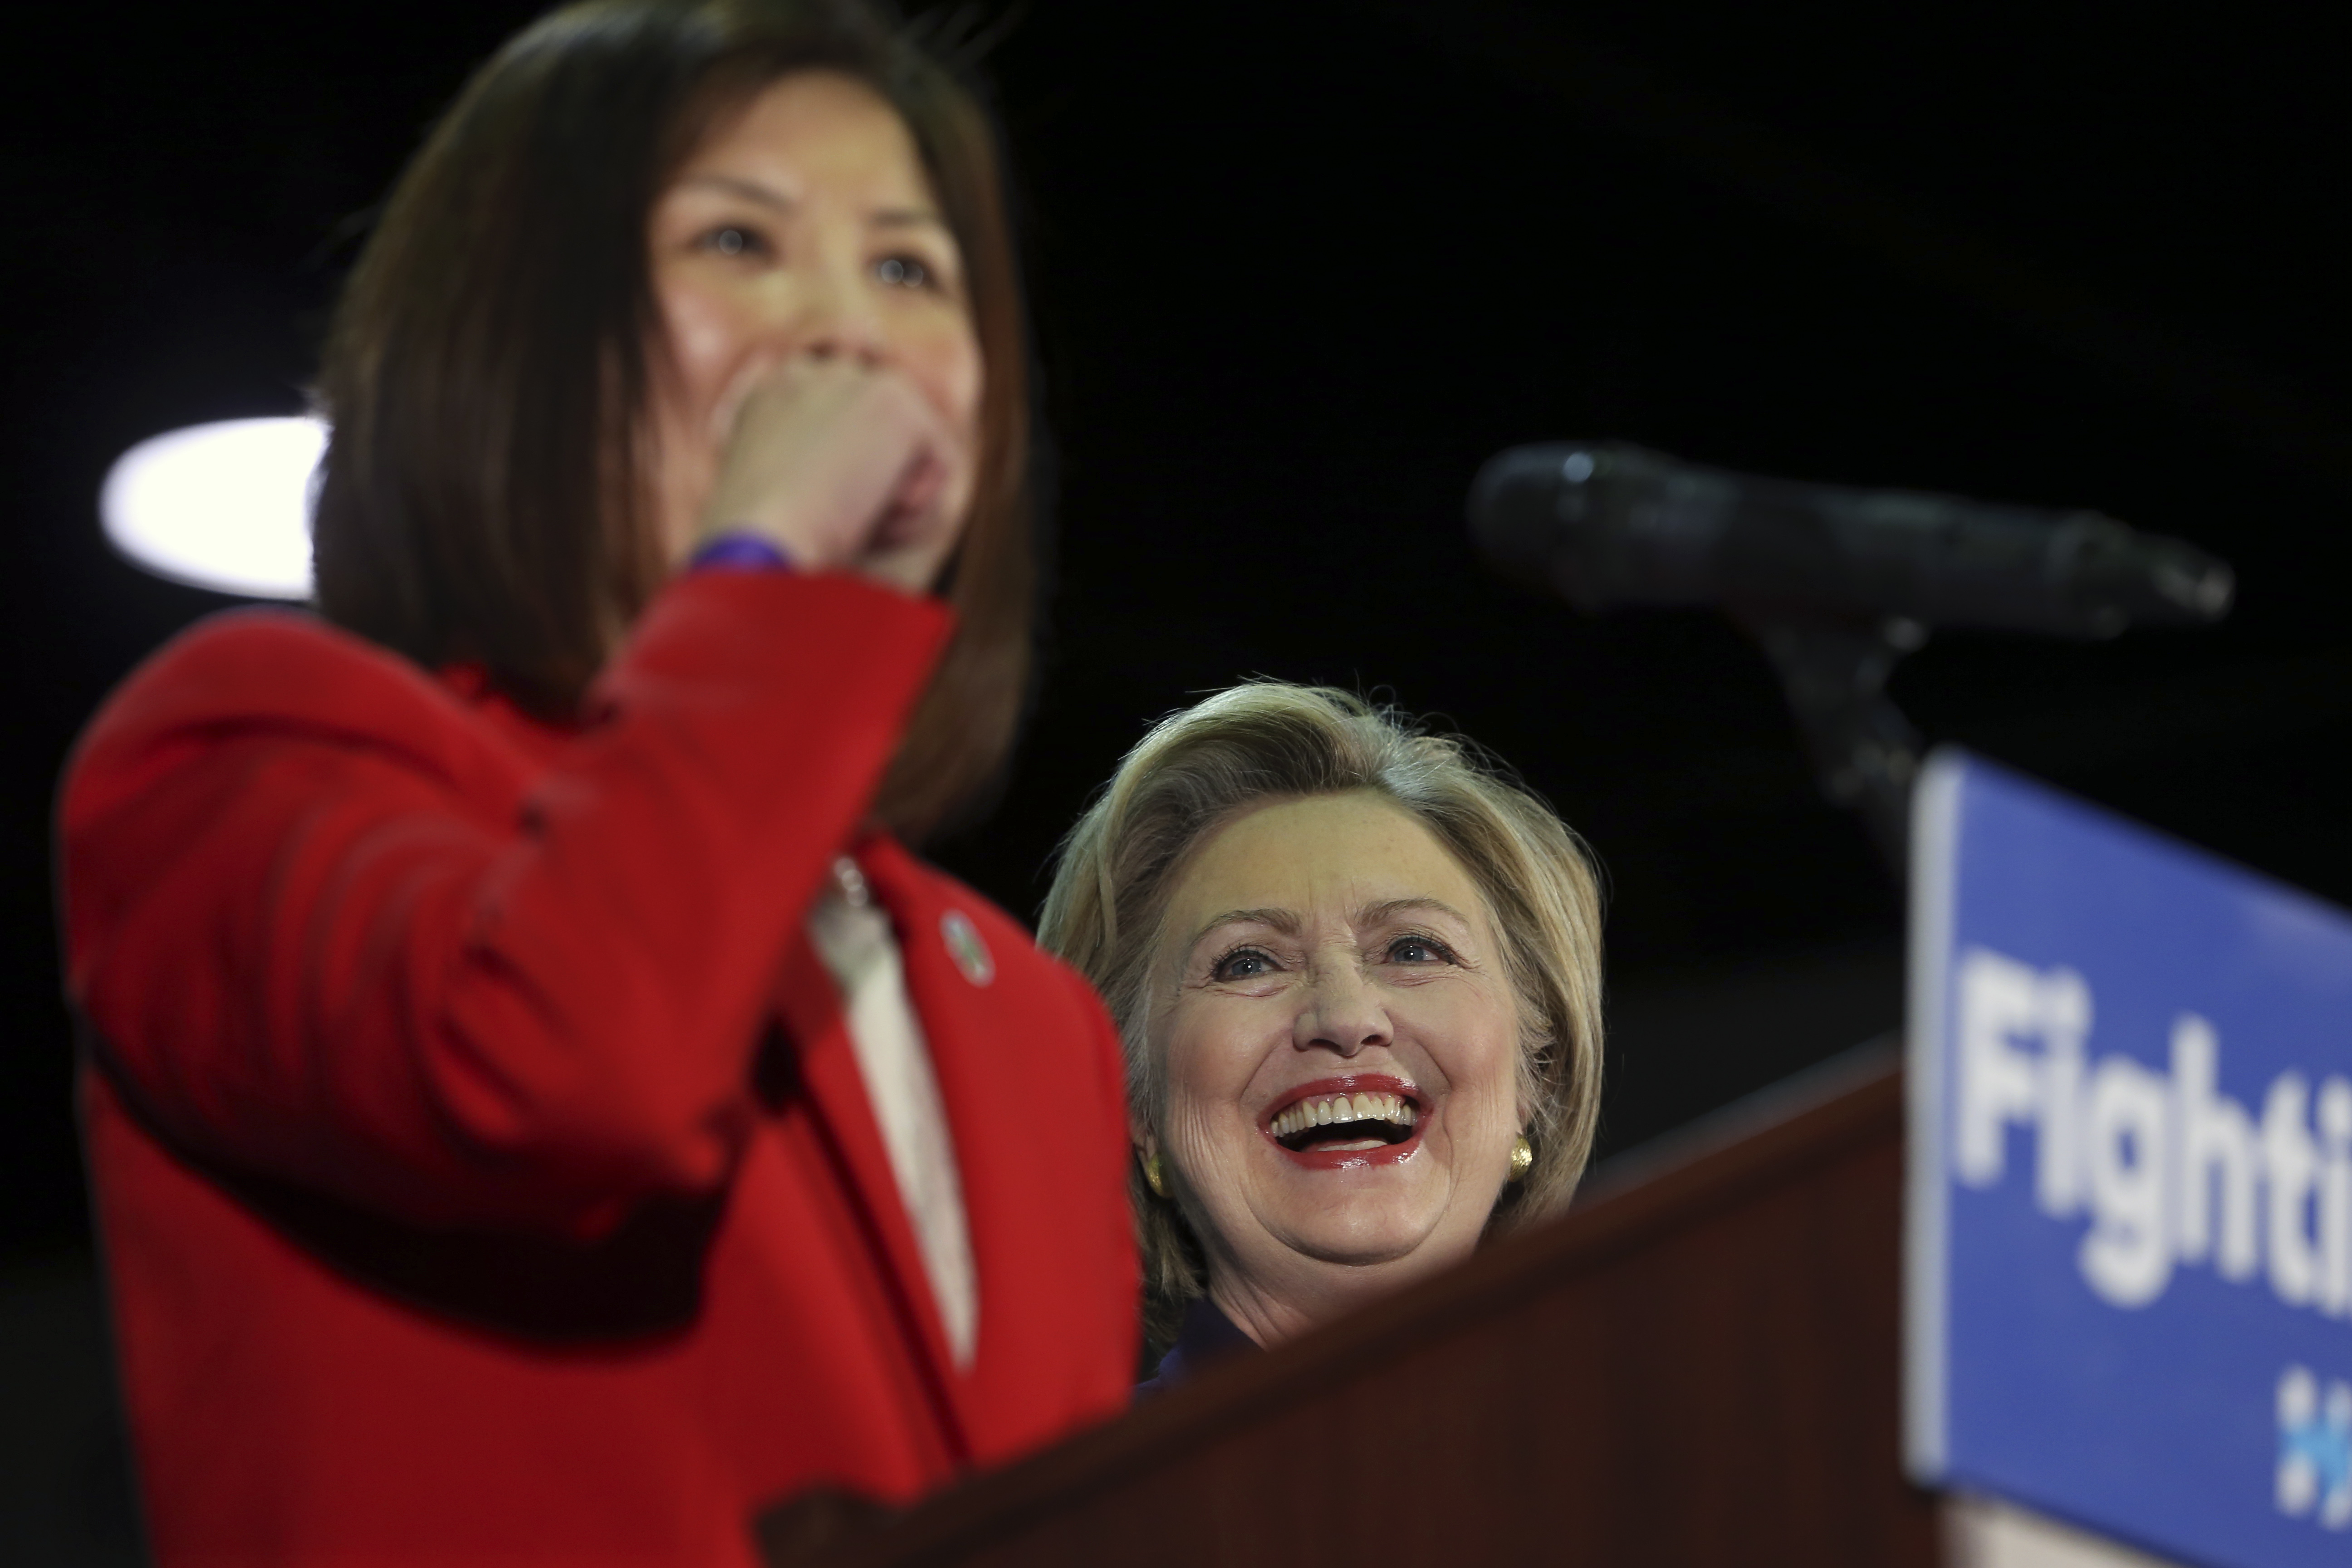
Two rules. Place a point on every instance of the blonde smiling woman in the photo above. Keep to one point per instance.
(1357, 974)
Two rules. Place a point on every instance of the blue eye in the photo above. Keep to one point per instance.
(1418, 950)
(734, 239)
(1247, 964)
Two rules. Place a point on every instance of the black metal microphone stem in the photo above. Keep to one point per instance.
(1865, 753)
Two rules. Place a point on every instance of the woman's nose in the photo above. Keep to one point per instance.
(838, 321)
(1343, 1014)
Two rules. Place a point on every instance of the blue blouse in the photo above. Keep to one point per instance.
(1206, 1335)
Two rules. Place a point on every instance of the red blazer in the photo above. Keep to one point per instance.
(482, 1166)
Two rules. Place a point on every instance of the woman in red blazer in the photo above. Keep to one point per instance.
(538, 1111)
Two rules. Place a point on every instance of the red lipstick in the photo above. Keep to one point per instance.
(1380, 1084)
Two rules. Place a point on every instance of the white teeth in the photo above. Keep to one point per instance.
(1322, 1112)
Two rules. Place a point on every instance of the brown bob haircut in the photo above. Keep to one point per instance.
(486, 371)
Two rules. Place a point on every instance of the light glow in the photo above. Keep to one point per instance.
(224, 506)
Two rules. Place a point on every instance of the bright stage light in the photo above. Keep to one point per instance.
(224, 506)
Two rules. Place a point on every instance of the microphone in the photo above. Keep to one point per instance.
(1603, 523)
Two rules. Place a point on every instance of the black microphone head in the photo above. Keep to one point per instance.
(1510, 510)
(1536, 512)
(1603, 523)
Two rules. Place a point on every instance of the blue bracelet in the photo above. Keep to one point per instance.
(739, 549)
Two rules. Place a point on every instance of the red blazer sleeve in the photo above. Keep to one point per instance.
(330, 924)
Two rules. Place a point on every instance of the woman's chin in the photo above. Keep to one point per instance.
(1356, 1253)
(1362, 1229)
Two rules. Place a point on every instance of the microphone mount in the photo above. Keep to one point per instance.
(1865, 754)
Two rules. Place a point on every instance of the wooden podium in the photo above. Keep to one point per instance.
(1698, 1365)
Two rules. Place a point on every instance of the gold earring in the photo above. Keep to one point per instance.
(1523, 1158)
(1154, 1176)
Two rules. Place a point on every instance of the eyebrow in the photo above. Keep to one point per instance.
(1287, 922)
(749, 190)
(776, 201)
(906, 217)
(1389, 909)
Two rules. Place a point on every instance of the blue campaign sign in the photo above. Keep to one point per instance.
(2130, 1224)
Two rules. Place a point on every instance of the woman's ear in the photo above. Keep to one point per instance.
(1523, 1103)
(1147, 1155)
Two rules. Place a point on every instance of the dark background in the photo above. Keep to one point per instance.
(1298, 267)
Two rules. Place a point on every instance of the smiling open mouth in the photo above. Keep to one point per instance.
(1352, 1120)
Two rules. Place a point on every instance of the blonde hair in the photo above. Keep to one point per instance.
(1270, 742)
